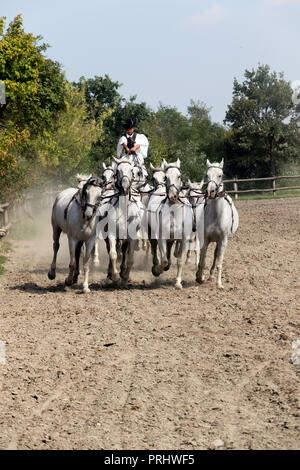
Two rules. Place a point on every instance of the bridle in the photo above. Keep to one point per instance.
(107, 183)
(218, 185)
(156, 184)
(94, 181)
(178, 189)
(120, 180)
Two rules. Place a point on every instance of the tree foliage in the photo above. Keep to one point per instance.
(263, 130)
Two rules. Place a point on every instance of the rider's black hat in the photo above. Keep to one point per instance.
(129, 124)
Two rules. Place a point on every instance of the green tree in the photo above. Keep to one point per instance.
(262, 118)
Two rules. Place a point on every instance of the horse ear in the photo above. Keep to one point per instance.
(189, 183)
(116, 160)
(164, 164)
(104, 166)
(152, 167)
(222, 164)
(208, 164)
(178, 163)
(201, 184)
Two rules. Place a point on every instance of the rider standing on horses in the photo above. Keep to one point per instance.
(134, 145)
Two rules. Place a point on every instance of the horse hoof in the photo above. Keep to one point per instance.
(220, 287)
(155, 271)
(200, 281)
(96, 263)
(167, 268)
(51, 276)
(178, 286)
(68, 282)
(86, 290)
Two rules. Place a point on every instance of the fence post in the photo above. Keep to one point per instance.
(274, 186)
(235, 187)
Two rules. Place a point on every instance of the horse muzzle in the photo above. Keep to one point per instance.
(125, 186)
(173, 195)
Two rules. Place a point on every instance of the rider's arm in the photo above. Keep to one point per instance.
(137, 146)
(125, 147)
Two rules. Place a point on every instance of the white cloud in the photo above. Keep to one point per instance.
(206, 19)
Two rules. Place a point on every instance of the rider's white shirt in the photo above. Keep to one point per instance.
(141, 153)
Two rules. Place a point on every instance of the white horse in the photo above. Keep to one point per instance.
(197, 200)
(108, 187)
(221, 221)
(116, 214)
(171, 220)
(74, 213)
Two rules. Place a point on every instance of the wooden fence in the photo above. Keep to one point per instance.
(272, 179)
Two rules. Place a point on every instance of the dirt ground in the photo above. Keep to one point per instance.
(150, 367)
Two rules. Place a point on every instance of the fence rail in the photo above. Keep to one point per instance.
(274, 188)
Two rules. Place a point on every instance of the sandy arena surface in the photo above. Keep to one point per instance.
(150, 367)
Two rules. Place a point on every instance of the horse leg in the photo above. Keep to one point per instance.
(170, 244)
(197, 252)
(159, 269)
(213, 268)
(124, 259)
(177, 248)
(89, 245)
(155, 259)
(113, 258)
(180, 258)
(201, 266)
(77, 259)
(95, 252)
(119, 251)
(222, 244)
(130, 260)
(138, 242)
(109, 270)
(72, 248)
(56, 235)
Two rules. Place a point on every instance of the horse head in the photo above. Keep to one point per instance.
(158, 176)
(108, 176)
(124, 170)
(91, 196)
(138, 174)
(194, 191)
(82, 179)
(173, 180)
(214, 179)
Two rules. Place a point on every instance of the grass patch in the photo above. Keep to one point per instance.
(2, 261)
(5, 247)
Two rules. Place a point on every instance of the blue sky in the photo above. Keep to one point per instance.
(167, 51)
